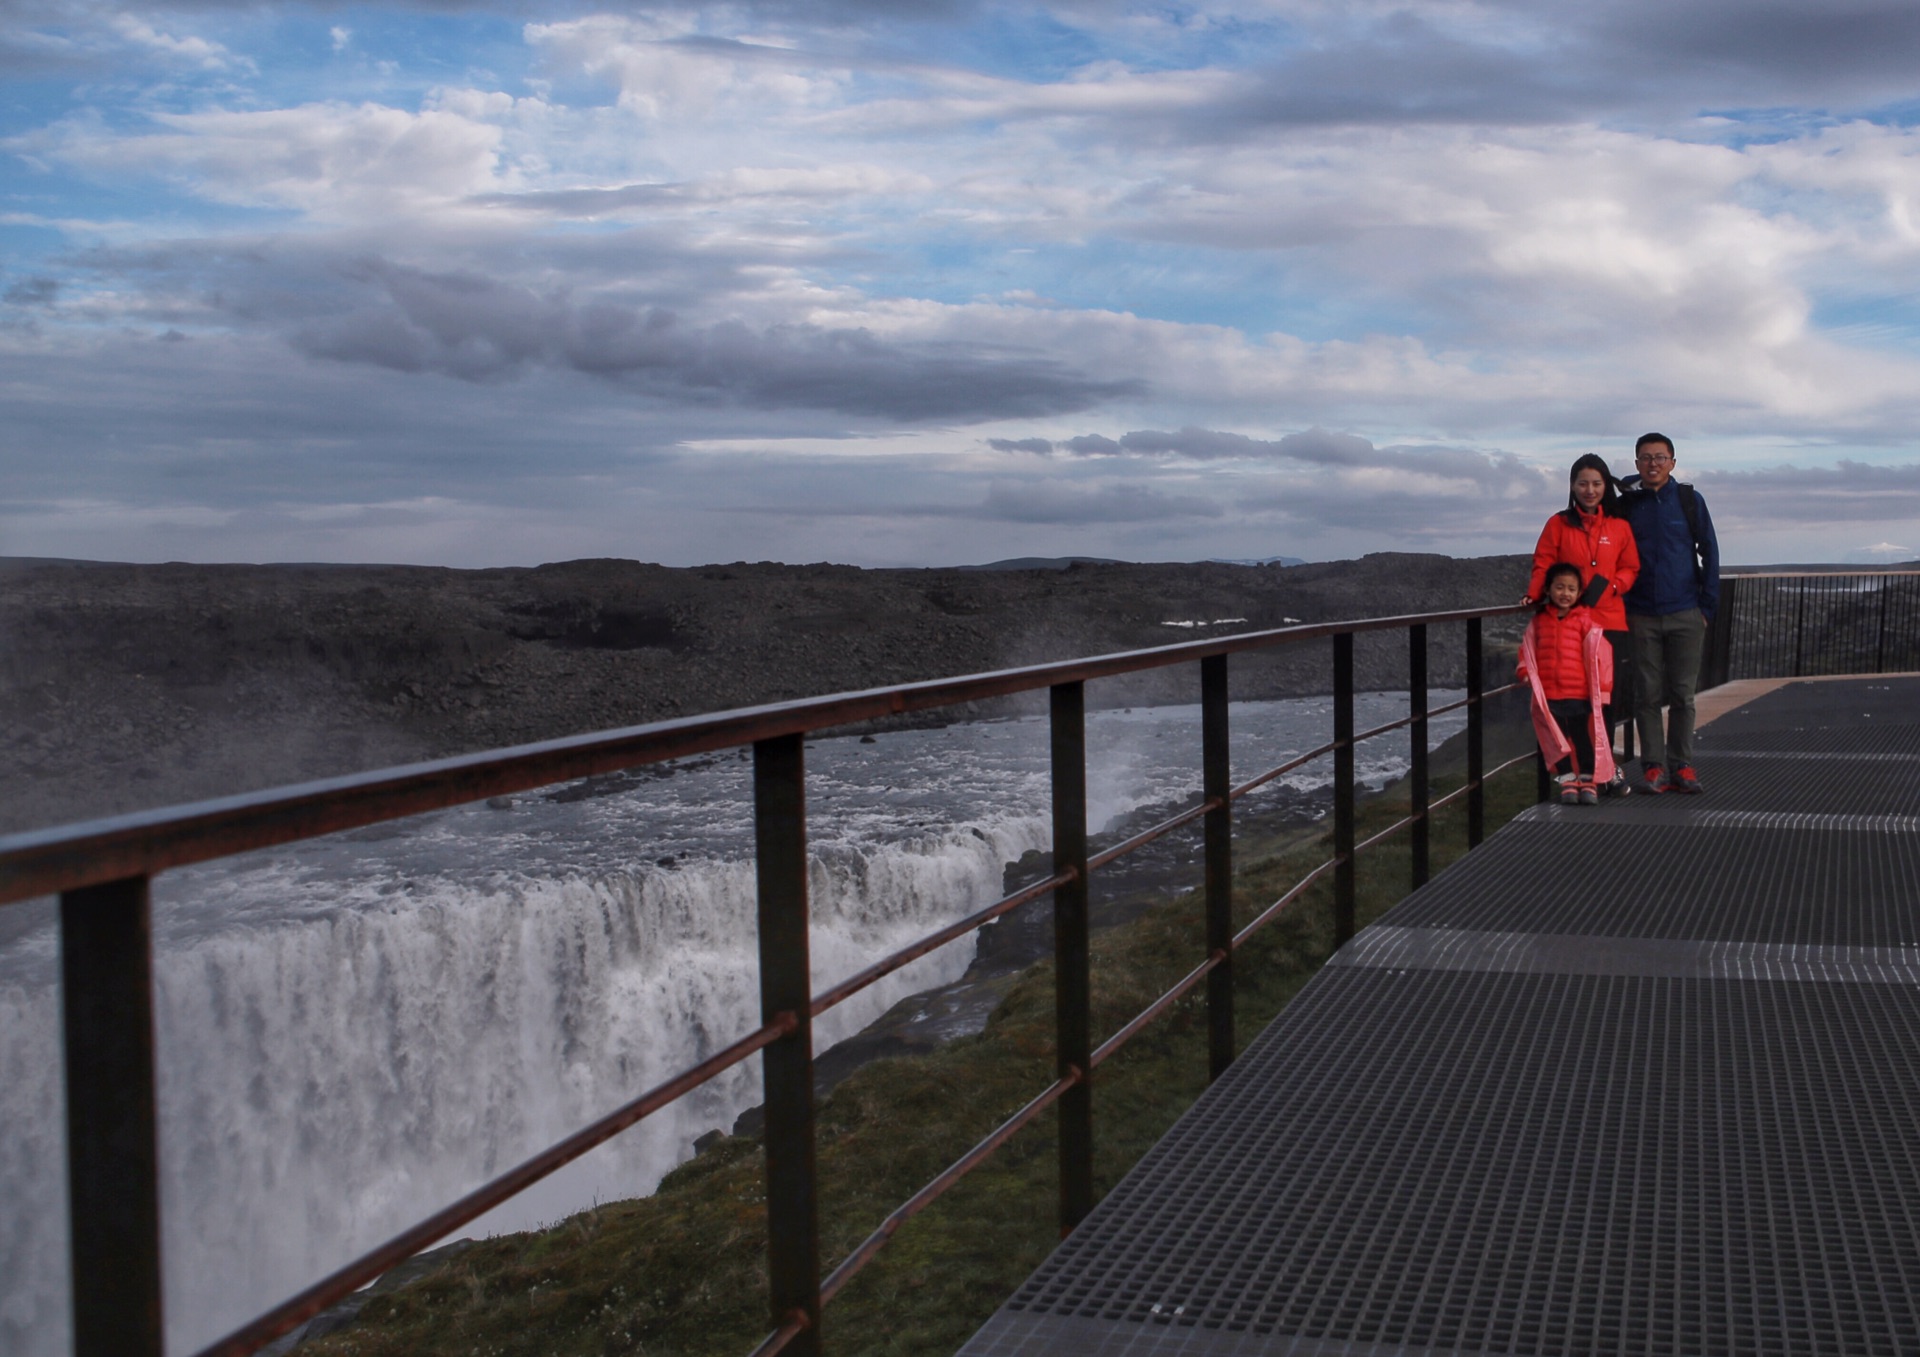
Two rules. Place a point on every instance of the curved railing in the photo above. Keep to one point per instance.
(1806, 623)
(102, 872)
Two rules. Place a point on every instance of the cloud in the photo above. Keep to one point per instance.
(1648, 63)
(32, 292)
(1056, 502)
(1861, 48)
(1847, 493)
(198, 51)
(665, 66)
(1224, 280)
(479, 329)
(1313, 447)
(331, 161)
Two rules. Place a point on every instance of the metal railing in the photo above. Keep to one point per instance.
(102, 872)
(1801, 625)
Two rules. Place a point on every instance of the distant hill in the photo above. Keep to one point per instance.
(1062, 562)
(1042, 563)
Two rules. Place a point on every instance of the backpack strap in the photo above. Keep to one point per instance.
(1690, 505)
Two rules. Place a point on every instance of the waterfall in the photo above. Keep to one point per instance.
(324, 1082)
(354, 1031)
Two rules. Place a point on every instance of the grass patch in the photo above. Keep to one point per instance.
(684, 1271)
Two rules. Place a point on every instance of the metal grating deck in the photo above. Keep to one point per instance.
(1570, 1097)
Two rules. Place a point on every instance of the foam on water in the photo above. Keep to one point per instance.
(357, 1030)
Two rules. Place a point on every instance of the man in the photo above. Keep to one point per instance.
(1668, 609)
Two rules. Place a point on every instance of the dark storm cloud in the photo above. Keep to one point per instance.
(1796, 49)
(478, 329)
(1635, 60)
(1409, 72)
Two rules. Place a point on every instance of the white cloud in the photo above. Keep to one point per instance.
(333, 162)
(665, 68)
(197, 51)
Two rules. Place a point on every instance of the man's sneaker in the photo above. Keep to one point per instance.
(1656, 778)
(1589, 794)
(1684, 780)
(1569, 789)
(1619, 785)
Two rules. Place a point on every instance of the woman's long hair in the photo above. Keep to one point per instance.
(1609, 497)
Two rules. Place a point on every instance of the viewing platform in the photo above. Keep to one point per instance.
(1636, 1077)
(1641, 1077)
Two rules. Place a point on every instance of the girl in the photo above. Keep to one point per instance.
(1565, 660)
(1591, 534)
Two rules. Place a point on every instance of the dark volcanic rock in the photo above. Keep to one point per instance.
(127, 686)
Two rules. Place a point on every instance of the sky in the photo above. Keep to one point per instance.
(933, 282)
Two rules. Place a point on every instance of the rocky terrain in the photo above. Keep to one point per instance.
(129, 686)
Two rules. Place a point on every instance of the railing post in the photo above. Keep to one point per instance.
(1719, 648)
(1880, 644)
(1343, 873)
(1072, 988)
(1476, 738)
(786, 988)
(1799, 623)
(113, 1161)
(1216, 782)
(1417, 736)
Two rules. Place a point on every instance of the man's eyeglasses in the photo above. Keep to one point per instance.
(1653, 457)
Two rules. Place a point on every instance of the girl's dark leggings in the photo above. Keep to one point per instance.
(1574, 716)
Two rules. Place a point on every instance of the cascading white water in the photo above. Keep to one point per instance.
(356, 1031)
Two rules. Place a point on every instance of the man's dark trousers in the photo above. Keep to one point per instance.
(1666, 664)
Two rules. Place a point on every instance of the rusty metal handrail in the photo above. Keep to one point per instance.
(103, 871)
(42, 862)
(344, 1282)
(864, 1252)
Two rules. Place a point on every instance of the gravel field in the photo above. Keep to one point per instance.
(129, 686)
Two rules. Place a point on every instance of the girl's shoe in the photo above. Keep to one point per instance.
(1569, 789)
(1589, 794)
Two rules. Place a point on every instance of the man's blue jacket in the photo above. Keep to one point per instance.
(1670, 579)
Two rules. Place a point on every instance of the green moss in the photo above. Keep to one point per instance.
(684, 1271)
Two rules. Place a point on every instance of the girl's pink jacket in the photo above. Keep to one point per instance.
(1597, 661)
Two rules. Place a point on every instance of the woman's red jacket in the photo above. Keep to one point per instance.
(1599, 546)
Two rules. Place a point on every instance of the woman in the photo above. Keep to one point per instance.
(1590, 534)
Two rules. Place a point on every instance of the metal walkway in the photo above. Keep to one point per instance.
(1641, 1078)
